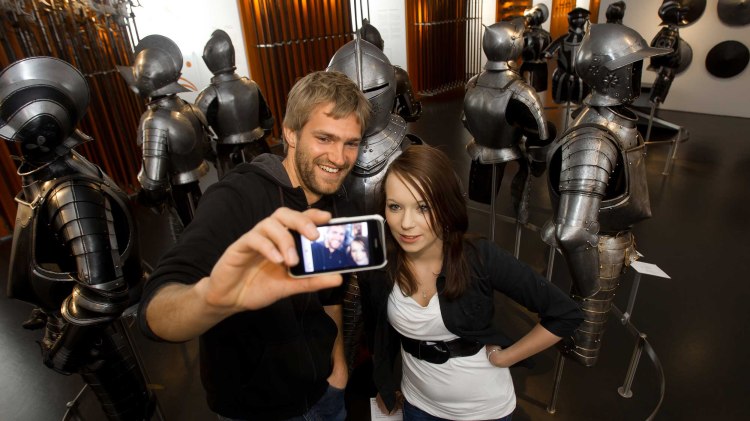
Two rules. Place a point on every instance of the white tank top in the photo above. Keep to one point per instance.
(462, 388)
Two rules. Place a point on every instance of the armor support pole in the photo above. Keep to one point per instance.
(624, 390)
(559, 365)
(631, 300)
(650, 121)
(492, 202)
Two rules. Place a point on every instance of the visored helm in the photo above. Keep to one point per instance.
(42, 99)
(156, 69)
(577, 18)
(609, 60)
(371, 34)
(366, 65)
(218, 54)
(672, 12)
(537, 15)
(503, 42)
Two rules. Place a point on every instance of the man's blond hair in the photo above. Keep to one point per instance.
(319, 88)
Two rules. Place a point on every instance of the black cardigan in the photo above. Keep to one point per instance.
(268, 364)
(469, 316)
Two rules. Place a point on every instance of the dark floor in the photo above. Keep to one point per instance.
(695, 321)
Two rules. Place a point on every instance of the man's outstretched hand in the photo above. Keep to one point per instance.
(252, 273)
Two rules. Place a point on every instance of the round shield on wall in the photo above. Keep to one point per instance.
(734, 12)
(695, 10)
(727, 59)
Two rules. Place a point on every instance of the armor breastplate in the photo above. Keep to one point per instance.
(237, 114)
(568, 51)
(38, 265)
(485, 105)
(626, 200)
(535, 42)
(376, 153)
(180, 125)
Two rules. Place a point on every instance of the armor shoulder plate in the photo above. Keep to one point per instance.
(377, 148)
(525, 94)
(206, 98)
(588, 153)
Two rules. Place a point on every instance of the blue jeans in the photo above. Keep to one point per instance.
(330, 407)
(412, 413)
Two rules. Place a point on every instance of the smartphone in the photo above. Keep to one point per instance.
(344, 245)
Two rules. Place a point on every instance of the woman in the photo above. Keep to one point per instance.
(358, 251)
(434, 302)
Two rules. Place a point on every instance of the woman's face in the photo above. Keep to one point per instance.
(408, 217)
(358, 253)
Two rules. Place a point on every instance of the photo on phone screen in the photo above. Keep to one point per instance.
(344, 245)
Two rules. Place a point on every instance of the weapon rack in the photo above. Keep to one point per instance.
(288, 39)
(94, 37)
(443, 43)
(510, 8)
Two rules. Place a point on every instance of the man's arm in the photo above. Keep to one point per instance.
(340, 374)
(251, 274)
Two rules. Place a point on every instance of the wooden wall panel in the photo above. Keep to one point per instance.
(594, 10)
(559, 18)
(287, 39)
(437, 36)
(510, 8)
(94, 38)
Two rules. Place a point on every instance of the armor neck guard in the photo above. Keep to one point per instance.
(171, 101)
(622, 116)
(496, 66)
(596, 99)
(378, 147)
(224, 77)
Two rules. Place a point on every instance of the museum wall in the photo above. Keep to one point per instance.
(190, 25)
(695, 90)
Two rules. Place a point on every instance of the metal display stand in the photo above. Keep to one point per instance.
(681, 136)
(504, 218)
(641, 345)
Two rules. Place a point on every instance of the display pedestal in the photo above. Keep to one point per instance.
(641, 343)
(494, 216)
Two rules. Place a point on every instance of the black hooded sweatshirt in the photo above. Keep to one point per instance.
(269, 364)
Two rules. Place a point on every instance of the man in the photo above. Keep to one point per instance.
(270, 348)
(330, 253)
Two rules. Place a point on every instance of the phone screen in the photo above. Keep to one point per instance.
(342, 247)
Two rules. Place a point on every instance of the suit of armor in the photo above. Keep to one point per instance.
(567, 86)
(171, 133)
(383, 141)
(74, 252)
(616, 12)
(499, 110)
(234, 107)
(668, 65)
(597, 180)
(535, 41)
(405, 103)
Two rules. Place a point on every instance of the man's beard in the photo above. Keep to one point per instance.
(306, 171)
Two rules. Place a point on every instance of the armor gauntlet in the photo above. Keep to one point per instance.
(587, 161)
(153, 174)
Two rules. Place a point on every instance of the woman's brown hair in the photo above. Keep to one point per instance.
(429, 172)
